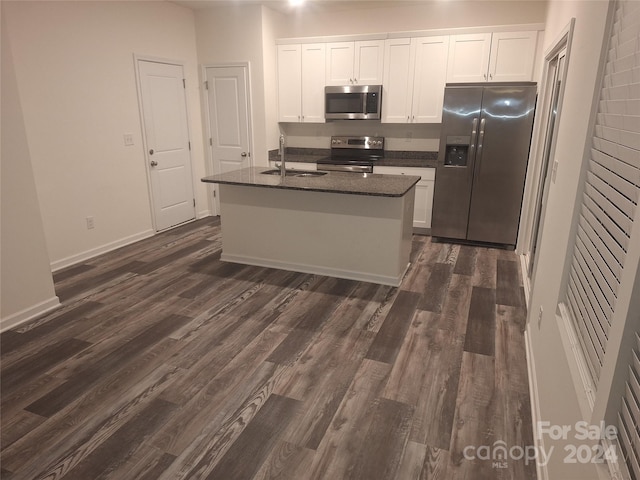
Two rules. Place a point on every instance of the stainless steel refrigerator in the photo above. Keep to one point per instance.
(482, 162)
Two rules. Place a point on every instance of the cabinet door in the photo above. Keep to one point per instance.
(431, 54)
(398, 81)
(469, 57)
(423, 204)
(368, 62)
(289, 83)
(339, 63)
(313, 66)
(512, 56)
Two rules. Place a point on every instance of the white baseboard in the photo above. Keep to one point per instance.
(318, 270)
(94, 252)
(29, 313)
(203, 213)
(543, 473)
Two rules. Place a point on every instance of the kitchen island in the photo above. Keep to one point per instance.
(347, 225)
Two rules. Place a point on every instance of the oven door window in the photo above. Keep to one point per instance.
(344, 103)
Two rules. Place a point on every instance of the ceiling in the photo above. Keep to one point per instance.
(285, 7)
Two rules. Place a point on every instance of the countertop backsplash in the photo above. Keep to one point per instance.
(392, 158)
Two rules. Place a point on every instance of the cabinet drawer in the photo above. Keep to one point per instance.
(426, 174)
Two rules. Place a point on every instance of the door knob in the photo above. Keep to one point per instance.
(151, 152)
(243, 154)
(153, 163)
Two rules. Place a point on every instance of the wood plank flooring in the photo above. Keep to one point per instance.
(166, 363)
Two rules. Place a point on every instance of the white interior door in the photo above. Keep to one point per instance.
(168, 157)
(227, 99)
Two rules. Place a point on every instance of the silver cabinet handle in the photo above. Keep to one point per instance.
(243, 154)
(153, 163)
(151, 152)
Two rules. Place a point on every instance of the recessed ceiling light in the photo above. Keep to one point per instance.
(295, 3)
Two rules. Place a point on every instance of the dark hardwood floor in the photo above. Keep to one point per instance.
(166, 363)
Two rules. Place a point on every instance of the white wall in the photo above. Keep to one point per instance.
(273, 24)
(228, 34)
(559, 401)
(26, 283)
(76, 79)
(394, 16)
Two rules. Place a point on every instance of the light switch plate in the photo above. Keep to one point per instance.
(128, 139)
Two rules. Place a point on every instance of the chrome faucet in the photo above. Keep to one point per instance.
(282, 167)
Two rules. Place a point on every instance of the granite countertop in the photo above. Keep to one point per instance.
(334, 182)
(392, 158)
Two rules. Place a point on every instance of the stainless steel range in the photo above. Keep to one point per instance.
(353, 154)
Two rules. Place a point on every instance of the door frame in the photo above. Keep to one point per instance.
(143, 135)
(210, 166)
(536, 163)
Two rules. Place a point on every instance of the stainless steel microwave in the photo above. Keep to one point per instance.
(352, 102)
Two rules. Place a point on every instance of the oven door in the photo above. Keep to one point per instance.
(345, 165)
(353, 102)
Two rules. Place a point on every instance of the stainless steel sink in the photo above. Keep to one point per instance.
(296, 173)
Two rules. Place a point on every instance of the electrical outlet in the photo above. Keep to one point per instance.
(128, 139)
(90, 224)
(540, 316)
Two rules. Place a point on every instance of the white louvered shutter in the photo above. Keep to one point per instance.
(629, 416)
(610, 194)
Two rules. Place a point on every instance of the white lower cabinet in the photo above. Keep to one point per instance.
(424, 193)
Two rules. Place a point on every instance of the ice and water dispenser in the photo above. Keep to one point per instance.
(457, 151)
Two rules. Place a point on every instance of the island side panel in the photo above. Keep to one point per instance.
(359, 237)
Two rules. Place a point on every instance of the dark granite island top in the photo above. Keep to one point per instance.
(333, 182)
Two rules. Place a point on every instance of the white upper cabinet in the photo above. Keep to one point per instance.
(313, 71)
(301, 83)
(289, 83)
(430, 77)
(415, 74)
(512, 56)
(397, 85)
(354, 63)
(497, 57)
(469, 57)
(368, 65)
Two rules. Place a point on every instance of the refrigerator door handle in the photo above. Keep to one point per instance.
(474, 132)
(480, 142)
